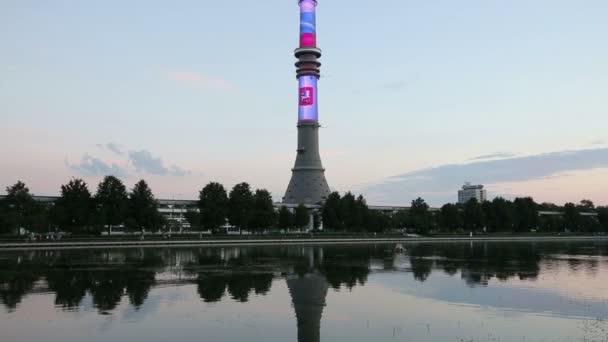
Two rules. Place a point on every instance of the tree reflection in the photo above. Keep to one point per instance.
(241, 272)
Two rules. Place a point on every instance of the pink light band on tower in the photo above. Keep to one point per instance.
(308, 30)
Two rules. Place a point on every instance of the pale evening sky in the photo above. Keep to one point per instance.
(417, 96)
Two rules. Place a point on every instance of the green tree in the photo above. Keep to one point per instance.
(194, 218)
(401, 219)
(112, 202)
(143, 208)
(360, 213)
(213, 206)
(347, 212)
(602, 217)
(472, 215)
(240, 206)
(330, 212)
(420, 217)
(316, 220)
(490, 221)
(263, 216)
(285, 218)
(525, 212)
(572, 217)
(73, 208)
(586, 205)
(301, 217)
(21, 210)
(449, 217)
(377, 221)
(503, 211)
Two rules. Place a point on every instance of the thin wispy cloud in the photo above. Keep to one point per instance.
(495, 155)
(199, 80)
(440, 183)
(114, 148)
(92, 166)
(394, 85)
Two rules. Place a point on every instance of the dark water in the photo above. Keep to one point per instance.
(431, 292)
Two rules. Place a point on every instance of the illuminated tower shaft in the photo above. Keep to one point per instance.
(308, 184)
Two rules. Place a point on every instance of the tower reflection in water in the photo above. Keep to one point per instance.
(308, 294)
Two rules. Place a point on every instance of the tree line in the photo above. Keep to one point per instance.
(77, 210)
(350, 213)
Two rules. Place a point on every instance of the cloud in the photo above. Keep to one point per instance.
(178, 171)
(143, 161)
(598, 142)
(199, 80)
(440, 183)
(92, 166)
(494, 156)
(394, 85)
(114, 148)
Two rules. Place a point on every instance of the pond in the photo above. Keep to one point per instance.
(461, 291)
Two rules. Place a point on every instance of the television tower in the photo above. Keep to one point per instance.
(308, 184)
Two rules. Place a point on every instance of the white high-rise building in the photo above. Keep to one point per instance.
(471, 191)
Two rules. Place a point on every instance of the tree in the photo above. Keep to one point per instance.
(21, 210)
(525, 212)
(449, 217)
(194, 218)
(586, 205)
(301, 218)
(377, 221)
(503, 211)
(73, 208)
(112, 202)
(360, 213)
(420, 217)
(316, 220)
(330, 212)
(602, 217)
(213, 206)
(347, 212)
(263, 215)
(143, 208)
(240, 206)
(472, 215)
(572, 217)
(401, 219)
(285, 218)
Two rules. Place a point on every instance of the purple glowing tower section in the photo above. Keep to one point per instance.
(308, 109)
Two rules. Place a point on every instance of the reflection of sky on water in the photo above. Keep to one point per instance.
(497, 296)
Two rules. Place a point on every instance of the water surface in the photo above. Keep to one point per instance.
(515, 291)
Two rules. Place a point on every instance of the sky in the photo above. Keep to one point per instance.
(416, 97)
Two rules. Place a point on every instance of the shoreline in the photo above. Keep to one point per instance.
(15, 246)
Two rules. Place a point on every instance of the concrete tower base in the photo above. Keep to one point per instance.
(308, 184)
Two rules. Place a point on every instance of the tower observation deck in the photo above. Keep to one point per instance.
(308, 184)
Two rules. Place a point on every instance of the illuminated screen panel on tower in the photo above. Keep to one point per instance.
(307, 110)
(308, 30)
